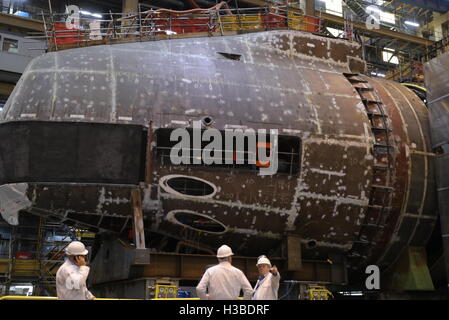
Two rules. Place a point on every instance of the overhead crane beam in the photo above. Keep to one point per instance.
(23, 23)
(6, 88)
(380, 32)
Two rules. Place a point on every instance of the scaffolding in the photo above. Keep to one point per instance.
(436, 49)
(69, 30)
(35, 250)
(65, 31)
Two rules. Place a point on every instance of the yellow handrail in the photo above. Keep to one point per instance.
(239, 298)
(415, 86)
(50, 298)
(176, 299)
(27, 298)
(55, 298)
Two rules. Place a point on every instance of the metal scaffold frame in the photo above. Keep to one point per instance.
(151, 25)
(40, 268)
(65, 31)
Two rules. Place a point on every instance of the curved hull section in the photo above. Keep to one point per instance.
(307, 87)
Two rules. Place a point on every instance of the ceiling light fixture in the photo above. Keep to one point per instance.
(411, 23)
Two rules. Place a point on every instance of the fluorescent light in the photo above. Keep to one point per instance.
(411, 23)
(378, 74)
(88, 13)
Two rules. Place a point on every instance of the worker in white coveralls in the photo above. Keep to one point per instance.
(267, 285)
(223, 281)
(72, 275)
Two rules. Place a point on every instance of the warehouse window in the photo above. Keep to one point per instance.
(388, 56)
(10, 45)
(387, 17)
(383, 16)
(337, 33)
(334, 7)
(25, 289)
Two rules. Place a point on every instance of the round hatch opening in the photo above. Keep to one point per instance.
(196, 221)
(311, 244)
(188, 186)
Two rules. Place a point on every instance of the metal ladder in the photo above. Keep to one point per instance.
(356, 7)
(382, 190)
(48, 265)
(47, 280)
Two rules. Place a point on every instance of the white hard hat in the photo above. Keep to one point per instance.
(263, 260)
(76, 248)
(224, 251)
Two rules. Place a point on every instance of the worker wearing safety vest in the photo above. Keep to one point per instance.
(267, 285)
(72, 275)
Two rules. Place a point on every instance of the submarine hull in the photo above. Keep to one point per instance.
(85, 127)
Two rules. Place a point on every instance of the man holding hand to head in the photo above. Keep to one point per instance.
(72, 275)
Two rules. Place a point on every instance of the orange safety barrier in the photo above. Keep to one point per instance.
(274, 21)
(192, 25)
(311, 24)
(65, 35)
(181, 24)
